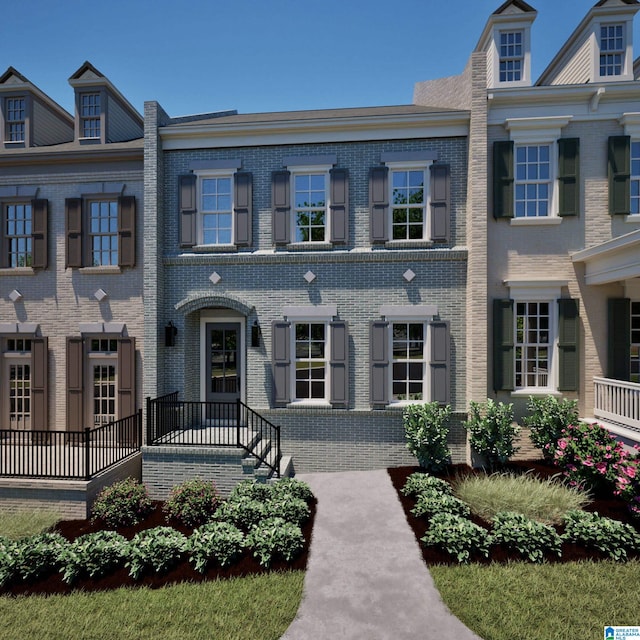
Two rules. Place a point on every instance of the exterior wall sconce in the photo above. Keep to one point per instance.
(170, 333)
(256, 332)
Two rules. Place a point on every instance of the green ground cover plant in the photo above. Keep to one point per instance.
(219, 542)
(531, 539)
(544, 500)
(457, 535)
(93, 554)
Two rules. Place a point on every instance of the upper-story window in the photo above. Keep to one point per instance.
(311, 361)
(18, 235)
(511, 48)
(310, 206)
(533, 187)
(103, 230)
(216, 220)
(612, 47)
(15, 119)
(90, 115)
(409, 200)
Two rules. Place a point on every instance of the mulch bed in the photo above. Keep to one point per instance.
(606, 505)
(182, 572)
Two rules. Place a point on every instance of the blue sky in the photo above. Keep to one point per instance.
(263, 55)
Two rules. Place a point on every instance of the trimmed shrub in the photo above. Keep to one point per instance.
(122, 504)
(292, 486)
(39, 555)
(458, 536)
(93, 554)
(492, 431)
(426, 427)
(241, 511)
(8, 549)
(251, 489)
(418, 483)
(192, 503)
(531, 539)
(275, 537)
(429, 504)
(157, 549)
(549, 416)
(218, 542)
(291, 509)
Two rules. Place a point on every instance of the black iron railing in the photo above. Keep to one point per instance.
(175, 422)
(69, 455)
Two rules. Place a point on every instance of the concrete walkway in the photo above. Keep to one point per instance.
(366, 579)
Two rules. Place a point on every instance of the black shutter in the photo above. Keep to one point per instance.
(39, 377)
(569, 176)
(339, 222)
(75, 386)
(281, 361)
(188, 208)
(243, 207)
(280, 207)
(378, 204)
(73, 215)
(619, 170)
(503, 179)
(339, 363)
(439, 362)
(379, 362)
(619, 338)
(503, 363)
(126, 377)
(568, 338)
(127, 231)
(39, 233)
(440, 202)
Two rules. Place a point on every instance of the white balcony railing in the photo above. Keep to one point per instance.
(617, 401)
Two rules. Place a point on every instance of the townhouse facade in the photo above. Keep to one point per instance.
(71, 195)
(557, 222)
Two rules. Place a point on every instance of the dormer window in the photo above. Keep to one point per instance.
(612, 50)
(90, 115)
(511, 56)
(15, 119)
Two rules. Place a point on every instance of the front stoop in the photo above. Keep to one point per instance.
(251, 465)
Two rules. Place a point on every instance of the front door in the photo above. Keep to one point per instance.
(223, 368)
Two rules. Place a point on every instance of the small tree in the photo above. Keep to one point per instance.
(492, 431)
(426, 427)
(549, 416)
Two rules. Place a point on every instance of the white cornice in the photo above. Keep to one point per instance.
(631, 124)
(315, 130)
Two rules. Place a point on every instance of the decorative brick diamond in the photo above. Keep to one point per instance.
(408, 275)
(100, 295)
(15, 295)
(309, 276)
(215, 277)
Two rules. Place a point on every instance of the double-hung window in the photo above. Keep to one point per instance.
(100, 231)
(90, 115)
(511, 55)
(612, 49)
(310, 356)
(15, 119)
(310, 200)
(103, 233)
(18, 234)
(536, 177)
(535, 339)
(216, 209)
(409, 195)
(409, 356)
(215, 203)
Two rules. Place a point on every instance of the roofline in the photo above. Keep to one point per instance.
(529, 15)
(596, 10)
(523, 6)
(449, 123)
(69, 156)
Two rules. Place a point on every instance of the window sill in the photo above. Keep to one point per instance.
(633, 218)
(215, 248)
(309, 246)
(536, 222)
(408, 244)
(309, 404)
(110, 270)
(18, 271)
(535, 391)
(401, 404)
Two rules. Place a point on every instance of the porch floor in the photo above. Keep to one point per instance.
(205, 435)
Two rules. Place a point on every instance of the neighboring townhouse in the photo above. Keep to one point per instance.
(554, 213)
(71, 313)
(312, 265)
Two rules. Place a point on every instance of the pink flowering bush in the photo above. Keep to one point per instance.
(193, 502)
(591, 458)
(123, 503)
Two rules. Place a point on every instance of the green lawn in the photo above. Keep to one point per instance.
(521, 601)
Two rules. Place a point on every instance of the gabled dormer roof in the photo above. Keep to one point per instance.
(577, 60)
(12, 81)
(510, 5)
(88, 76)
(512, 10)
